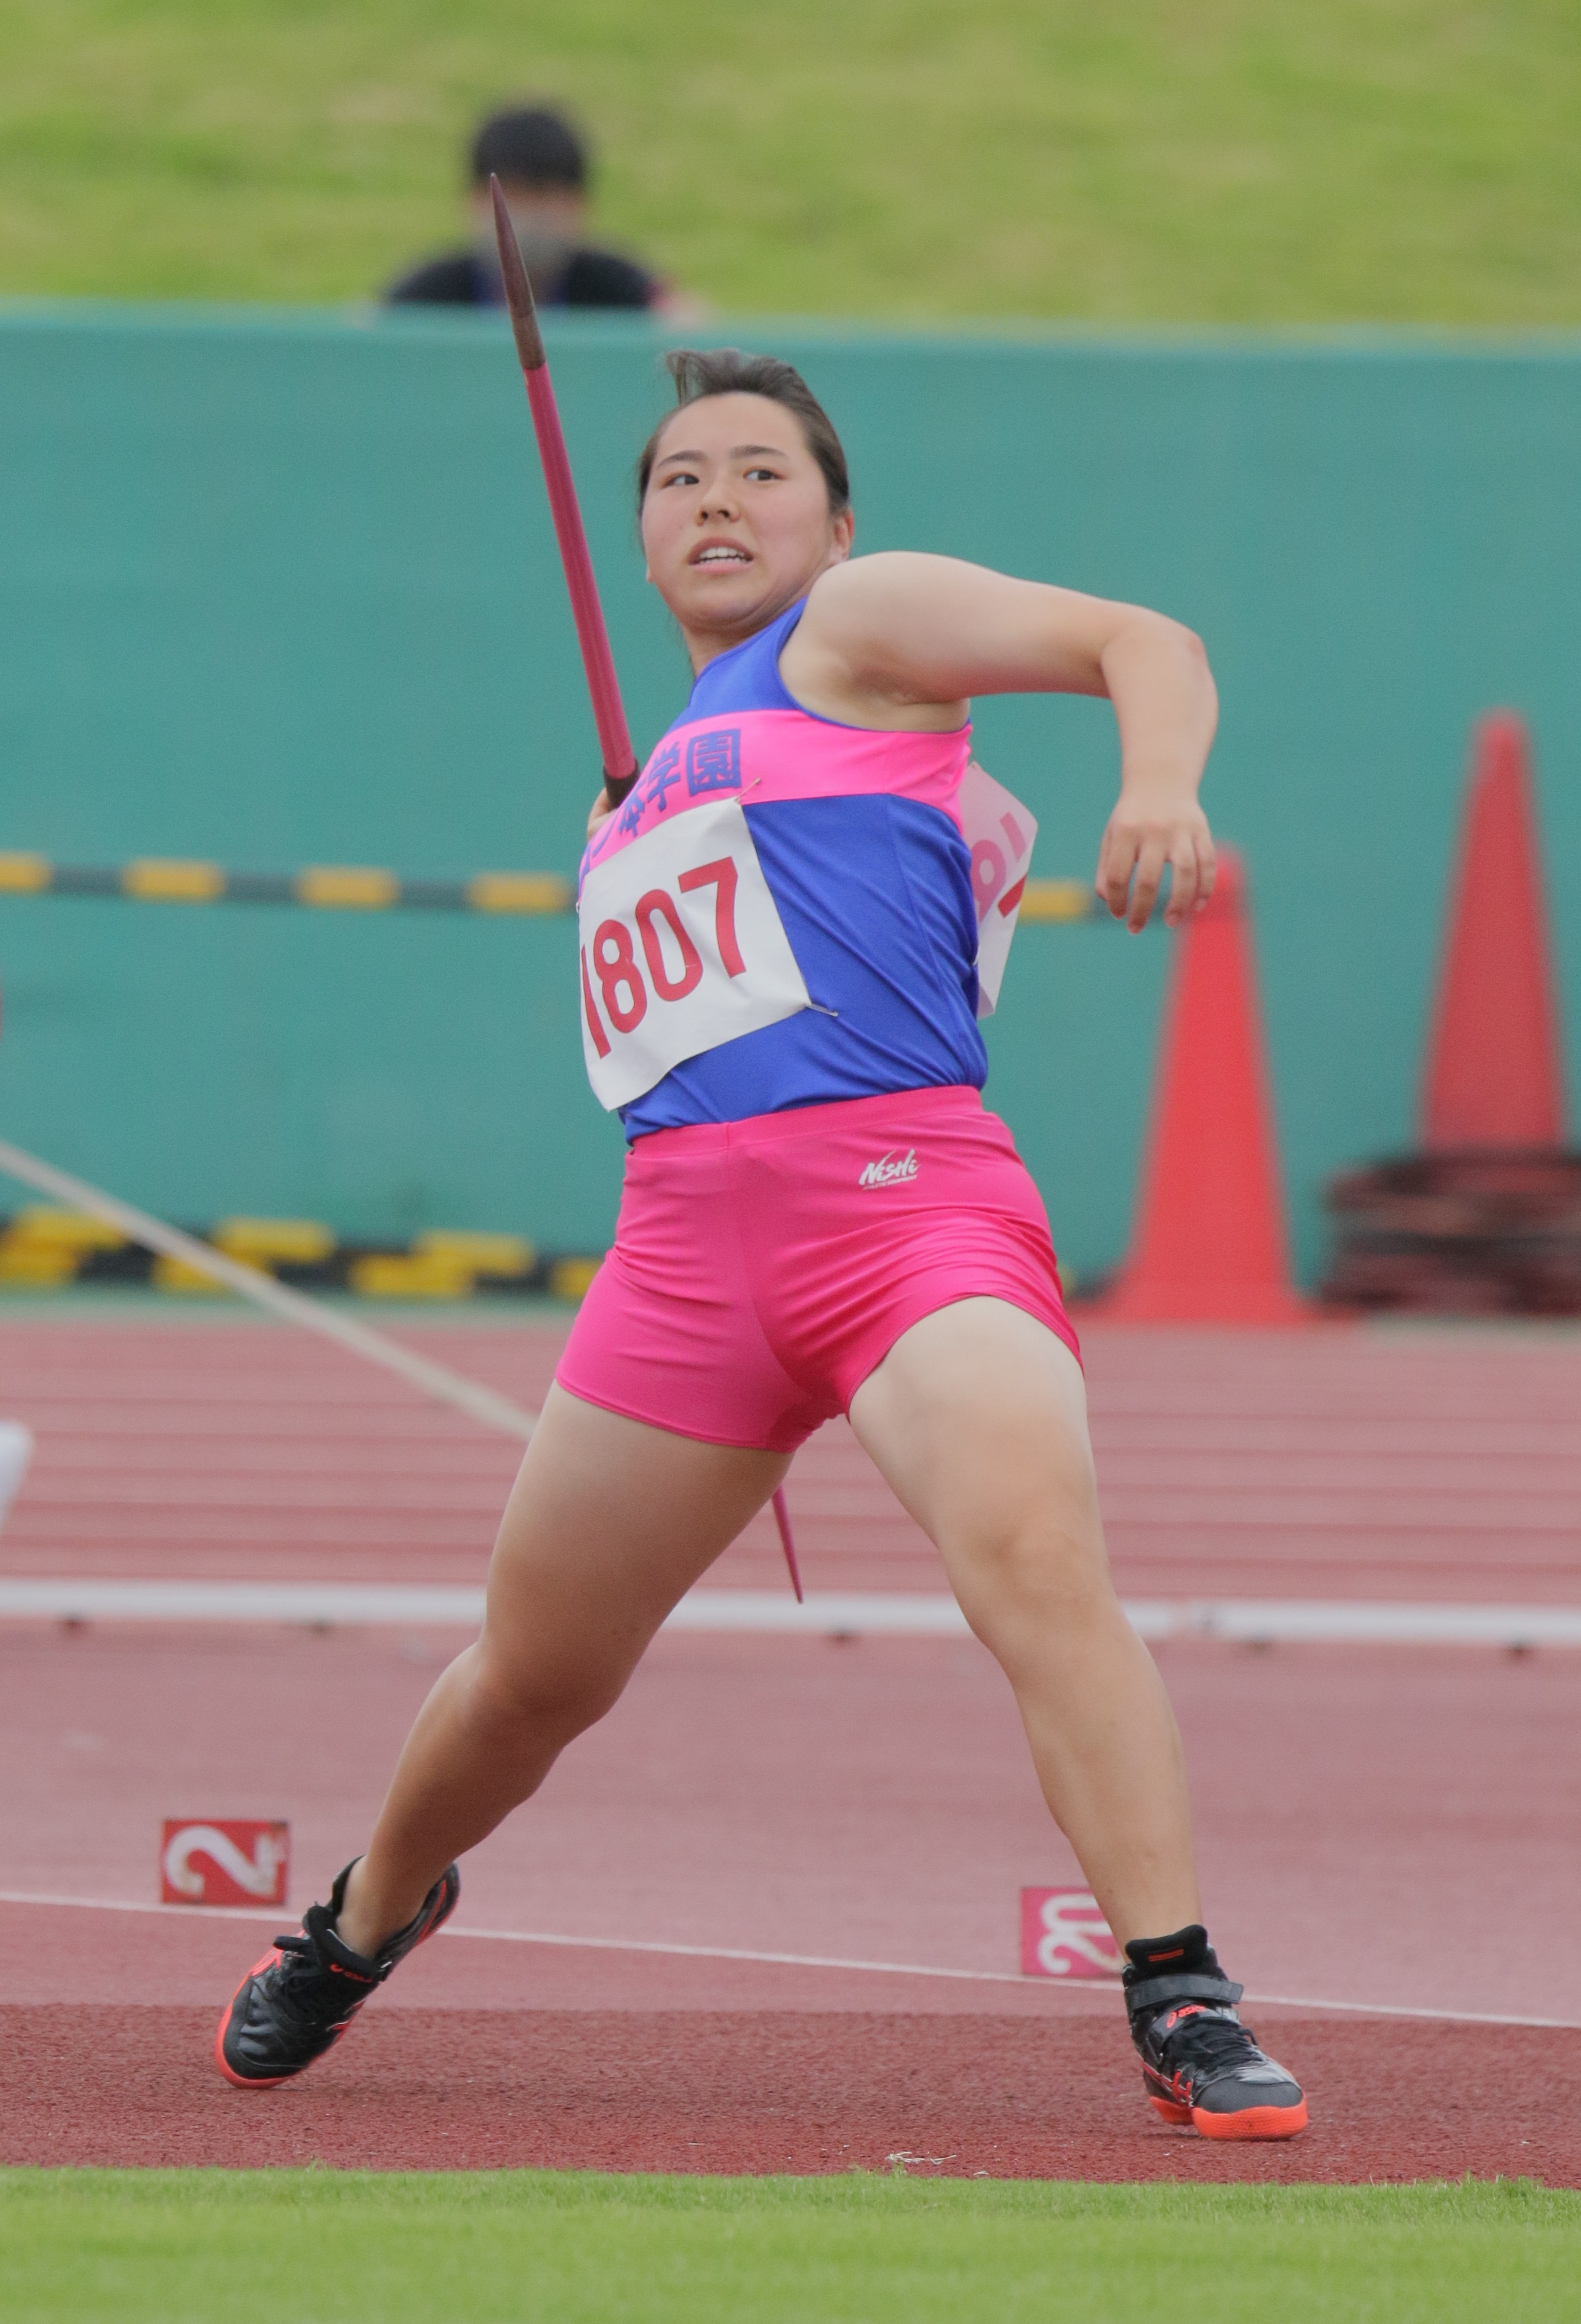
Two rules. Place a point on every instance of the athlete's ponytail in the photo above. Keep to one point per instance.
(726, 371)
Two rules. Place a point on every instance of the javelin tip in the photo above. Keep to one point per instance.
(518, 288)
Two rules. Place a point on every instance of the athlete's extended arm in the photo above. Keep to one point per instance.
(903, 633)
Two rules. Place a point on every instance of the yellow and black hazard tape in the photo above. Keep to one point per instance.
(326, 887)
(354, 888)
(43, 1250)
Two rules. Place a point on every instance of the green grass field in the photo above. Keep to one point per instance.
(1266, 161)
(318, 2247)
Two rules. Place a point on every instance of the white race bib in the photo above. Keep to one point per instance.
(682, 949)
(1000, 833)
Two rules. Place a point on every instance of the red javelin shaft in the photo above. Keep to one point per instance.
(615, 740)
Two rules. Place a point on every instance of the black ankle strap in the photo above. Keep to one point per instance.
(319, 1926)
(1149, 1992)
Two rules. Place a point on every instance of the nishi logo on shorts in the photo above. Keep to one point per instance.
(890, 1168)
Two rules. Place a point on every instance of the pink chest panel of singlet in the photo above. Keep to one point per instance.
(760, 757)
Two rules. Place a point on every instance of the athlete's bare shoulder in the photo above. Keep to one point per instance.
(847, 657)
(907, 639)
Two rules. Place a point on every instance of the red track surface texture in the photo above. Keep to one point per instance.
(1379, 1826)
(1336, 1462)
(1376, 1825)
(730, 2092)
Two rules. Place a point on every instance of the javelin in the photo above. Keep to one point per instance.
(615, 741)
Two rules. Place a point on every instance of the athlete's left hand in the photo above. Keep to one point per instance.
(1153, 827)
(599, 812)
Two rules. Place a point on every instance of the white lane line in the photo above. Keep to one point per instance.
(1358, 1621)
(63, 1601)
(777, 1960)
(825, 1614)
(792, 1960)
(1398, 2009)
(281, 1913)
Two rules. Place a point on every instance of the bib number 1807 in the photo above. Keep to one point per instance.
(615, 963)
(682, 950)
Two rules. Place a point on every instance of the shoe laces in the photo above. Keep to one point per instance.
(1208, 2037)
(301, 1979)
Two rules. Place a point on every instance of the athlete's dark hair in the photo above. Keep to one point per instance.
(726, 371)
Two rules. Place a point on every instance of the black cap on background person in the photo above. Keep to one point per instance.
(542, 166)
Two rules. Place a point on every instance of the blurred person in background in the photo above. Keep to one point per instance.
(542, 167)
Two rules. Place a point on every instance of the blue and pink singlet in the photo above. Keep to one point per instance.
(780, 972)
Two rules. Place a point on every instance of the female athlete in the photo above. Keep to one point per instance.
(779, 983)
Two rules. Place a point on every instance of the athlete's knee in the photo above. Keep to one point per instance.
(561, 1694)
(1039, 1572)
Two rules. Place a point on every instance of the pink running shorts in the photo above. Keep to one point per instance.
(763, 1268)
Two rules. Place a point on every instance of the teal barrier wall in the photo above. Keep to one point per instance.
(280, 589)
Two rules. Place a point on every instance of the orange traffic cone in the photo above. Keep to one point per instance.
(1209, 1244)
(1494, 1070)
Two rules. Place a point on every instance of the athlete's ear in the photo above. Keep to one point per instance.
(844, 529)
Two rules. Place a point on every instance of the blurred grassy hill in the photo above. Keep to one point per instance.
(1137, 160)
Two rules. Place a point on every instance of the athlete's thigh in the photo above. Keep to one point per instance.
(977, 1419)
(608, 1523)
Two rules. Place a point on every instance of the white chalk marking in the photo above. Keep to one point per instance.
(783, 1960)
(896, 1614)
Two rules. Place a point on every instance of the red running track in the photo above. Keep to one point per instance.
(1340, 1461)
(801, 2092)
(1384, 1826)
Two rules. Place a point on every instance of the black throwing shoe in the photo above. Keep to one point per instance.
(1199, 2064)
(299, 2000)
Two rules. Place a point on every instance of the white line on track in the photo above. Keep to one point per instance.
(782, 1961)
(825, 1614)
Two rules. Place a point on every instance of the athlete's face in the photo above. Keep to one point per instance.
(736, 522)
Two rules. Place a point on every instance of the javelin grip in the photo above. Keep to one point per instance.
(615, 741)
